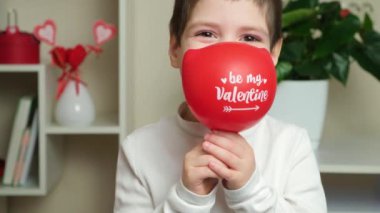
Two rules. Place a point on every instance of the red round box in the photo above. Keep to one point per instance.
(18, 47)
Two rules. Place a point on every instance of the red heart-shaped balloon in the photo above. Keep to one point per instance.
(229, 86)
(76, 56)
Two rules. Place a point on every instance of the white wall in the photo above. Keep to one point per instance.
(157, 87)
(354, 109)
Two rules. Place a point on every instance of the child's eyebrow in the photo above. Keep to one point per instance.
(260, 30)
(203, 23)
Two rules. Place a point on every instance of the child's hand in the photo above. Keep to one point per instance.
(197, 176)
(234, 151)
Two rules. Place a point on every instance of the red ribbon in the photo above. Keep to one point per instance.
(64, 79)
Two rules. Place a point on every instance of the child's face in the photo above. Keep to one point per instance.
(214, 21)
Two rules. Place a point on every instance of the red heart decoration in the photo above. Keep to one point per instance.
(46, 32)
(103, 32)
(76, 56)
(229, 86)
(59, 57)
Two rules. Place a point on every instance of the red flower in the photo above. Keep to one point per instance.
(344, 13)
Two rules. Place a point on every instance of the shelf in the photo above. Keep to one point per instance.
(357, 199)
(350, 156)
(103, 124)
(21, 68)
(30, 189)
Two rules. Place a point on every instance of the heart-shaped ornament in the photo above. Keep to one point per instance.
(59, 57)
(103, 32)
(46, 32)
(76, 56)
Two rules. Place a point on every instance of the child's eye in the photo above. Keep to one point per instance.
(251, 38)
(205, 34)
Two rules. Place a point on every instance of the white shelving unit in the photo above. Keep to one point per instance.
(18, 80)
(354, 199)
(104, 124)
(126, 56)
(351, 167)
(350, 156)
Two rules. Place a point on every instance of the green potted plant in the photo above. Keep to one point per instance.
(321, 40)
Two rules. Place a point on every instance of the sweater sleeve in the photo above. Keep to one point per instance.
(303, 192)
(132, 196)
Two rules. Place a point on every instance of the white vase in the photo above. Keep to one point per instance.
(302, 103)
(74, 109)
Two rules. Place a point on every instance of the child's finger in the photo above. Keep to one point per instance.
(204, 172)
(221, 171)
(204, 160)
(225, 143)
(223, 155)
(232, 136)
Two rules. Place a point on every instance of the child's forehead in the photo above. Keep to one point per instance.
(244, 9)
(261, 5)
(245, 13)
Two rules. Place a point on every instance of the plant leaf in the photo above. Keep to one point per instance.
(312, 69)
(336, 35)
(298, 4)
(367, 24)
(365, 59)
(329, 14)
(296, 16)
(293, 50)
(283, 69)
(301, 29)
(340, 67)
(370, 37)
(371, 44)
(329, 11)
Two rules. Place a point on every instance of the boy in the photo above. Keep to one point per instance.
(178, 165)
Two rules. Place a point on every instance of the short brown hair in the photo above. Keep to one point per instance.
(183, 8)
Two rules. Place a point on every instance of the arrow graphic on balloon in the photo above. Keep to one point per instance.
(230, 109)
